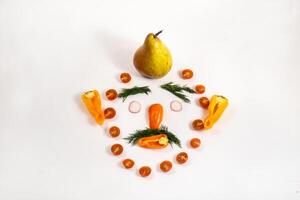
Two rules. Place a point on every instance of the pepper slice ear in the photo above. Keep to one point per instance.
(92, 102)
(154, 142)
(216, 108)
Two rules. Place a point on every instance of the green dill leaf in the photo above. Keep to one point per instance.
(188, 89)
(178, 90)
(126, 92)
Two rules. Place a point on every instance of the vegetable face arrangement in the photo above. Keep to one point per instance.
(150, 62)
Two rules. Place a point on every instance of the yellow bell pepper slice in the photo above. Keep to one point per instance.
(92, 102)
(216, 107)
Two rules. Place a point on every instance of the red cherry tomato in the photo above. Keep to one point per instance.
(109, 113)
(182, 157)
(125, 77)
(204, 102)
(200, 89)
(195, 142)
(187, 74)
(116, 149)
(145, 171)
(111, 94)
(166, 166)
(198, 124)
(128, 163)
(114, 131)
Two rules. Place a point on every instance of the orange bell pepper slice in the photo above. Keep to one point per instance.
(155, 114)
(154, 142)
(92, 102)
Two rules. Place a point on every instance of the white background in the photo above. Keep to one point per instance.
(52, 51)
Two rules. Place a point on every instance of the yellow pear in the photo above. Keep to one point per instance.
(153, 59)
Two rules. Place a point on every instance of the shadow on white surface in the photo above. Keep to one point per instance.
(108, 150)
(119, 49)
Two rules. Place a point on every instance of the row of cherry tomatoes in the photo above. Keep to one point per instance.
(165, 166)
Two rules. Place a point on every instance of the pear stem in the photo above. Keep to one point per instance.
(156, 34)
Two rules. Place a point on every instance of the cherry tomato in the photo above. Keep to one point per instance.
(204, 102)
(182, 157)
(128, 163)
(111, 94)
(187, 74)
(109, 113)
(200, 89)
(116, 149)
(145, 171)
(125, 77)
(195, 142)
(198, 124)
(165, 166)
(114, 131)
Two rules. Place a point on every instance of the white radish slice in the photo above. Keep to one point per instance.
(176, 106)
(134, 107)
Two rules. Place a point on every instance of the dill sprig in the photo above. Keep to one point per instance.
(133, 91)
(178, 90)
(138, 134)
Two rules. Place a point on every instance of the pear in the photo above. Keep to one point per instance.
(153, 59)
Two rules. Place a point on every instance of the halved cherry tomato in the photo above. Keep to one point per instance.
(116, 149)
(195, 142)
(187, 74)
(182, 157)
(109, 113)
(145, 171)
(125, 77)
(204, 102)
(128, 163)
(111, 94)
(165, 166)
(198, 124)
(114, 131)
(200, 89)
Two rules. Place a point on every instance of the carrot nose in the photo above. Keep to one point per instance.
(155, 114)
